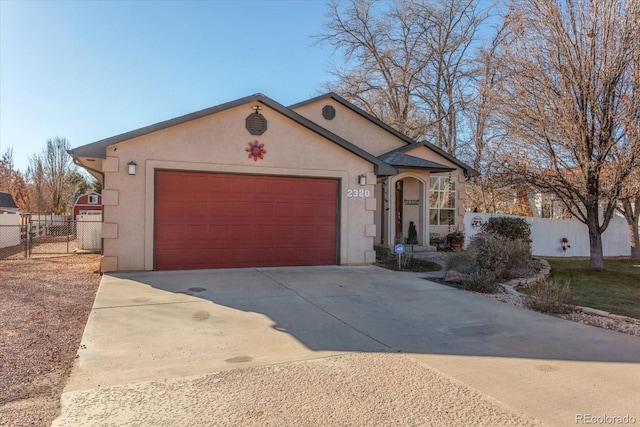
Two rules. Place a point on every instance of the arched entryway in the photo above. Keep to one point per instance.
(407, 196)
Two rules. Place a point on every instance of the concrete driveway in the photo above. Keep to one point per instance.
(146, 327)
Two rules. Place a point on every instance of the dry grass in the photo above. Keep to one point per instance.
(43, 310)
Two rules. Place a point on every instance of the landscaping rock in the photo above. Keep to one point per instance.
(594, 311)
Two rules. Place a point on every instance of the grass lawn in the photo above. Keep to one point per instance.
(616, 290)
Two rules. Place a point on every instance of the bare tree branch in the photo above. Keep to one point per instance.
(569, 103)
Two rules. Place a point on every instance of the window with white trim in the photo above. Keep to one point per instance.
(93, 199)
(442, 200)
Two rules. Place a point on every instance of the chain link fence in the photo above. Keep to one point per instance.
(50, 236)
(12, 241)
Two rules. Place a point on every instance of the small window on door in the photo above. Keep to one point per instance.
(93, 199)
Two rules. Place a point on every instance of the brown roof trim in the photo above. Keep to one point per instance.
(98, 149)
(468, 170)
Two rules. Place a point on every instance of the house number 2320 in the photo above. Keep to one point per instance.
(358, 193)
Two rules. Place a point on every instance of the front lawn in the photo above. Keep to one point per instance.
(616, 290)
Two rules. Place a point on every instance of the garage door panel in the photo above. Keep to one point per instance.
(171, 232)
(324, 212)
(241, 209)
(241, 235)
(322, 233)
(243, 221)
(173, 211)
(264, 233)
(264, 208)
(283, 210)
(305, 211)
(218, 232)
(198, 211)
(217, 211)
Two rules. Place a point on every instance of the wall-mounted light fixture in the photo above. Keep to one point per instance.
(362, 179)
(132, 167)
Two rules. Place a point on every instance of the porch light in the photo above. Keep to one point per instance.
(132, 167)
(362, 179)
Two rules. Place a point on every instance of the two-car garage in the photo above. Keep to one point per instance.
(215, 220)
(248, 183)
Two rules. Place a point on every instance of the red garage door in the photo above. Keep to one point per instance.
(206, 220)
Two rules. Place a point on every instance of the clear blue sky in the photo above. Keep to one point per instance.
(88, 70)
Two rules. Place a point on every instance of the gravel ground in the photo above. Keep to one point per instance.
(349, 390)
(44, 307)
(626, 327)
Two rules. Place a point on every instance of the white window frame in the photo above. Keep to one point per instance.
(92, 199)
(439, 194)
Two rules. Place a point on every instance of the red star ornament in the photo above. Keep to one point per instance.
(256, 151)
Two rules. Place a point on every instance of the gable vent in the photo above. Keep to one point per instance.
(328, 112)
(256, 124)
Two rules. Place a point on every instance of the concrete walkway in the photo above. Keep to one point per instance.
(183, 326)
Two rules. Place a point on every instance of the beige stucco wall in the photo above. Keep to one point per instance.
(352, 127)
(217, 143)
(378, 141)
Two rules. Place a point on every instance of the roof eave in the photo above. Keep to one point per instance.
(467, 170)
(427, 168)
(98, 149)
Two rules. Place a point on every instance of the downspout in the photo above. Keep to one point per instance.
(75, 161)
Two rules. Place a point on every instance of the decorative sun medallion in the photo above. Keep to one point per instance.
(256, 151)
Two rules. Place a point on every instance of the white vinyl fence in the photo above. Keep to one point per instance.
(89, 232)
(9, 230)
(547, 234)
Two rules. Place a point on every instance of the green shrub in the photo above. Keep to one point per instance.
(509, 228)
(550, 296)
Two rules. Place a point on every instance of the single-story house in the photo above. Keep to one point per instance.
(254, 183)
(87, 204)
(7, 204)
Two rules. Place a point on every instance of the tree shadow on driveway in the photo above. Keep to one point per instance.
(372, 309)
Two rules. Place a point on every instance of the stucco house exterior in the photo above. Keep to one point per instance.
(254, 183)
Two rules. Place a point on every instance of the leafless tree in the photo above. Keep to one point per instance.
(445, 86)
(406, 62)
(39, 193)
(629, 207)
(489, 191)
(629, 203)
(568, 103)
(51, 170)
(12, 181)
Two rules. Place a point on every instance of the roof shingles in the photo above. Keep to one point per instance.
(6, 201)
(402, 160)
